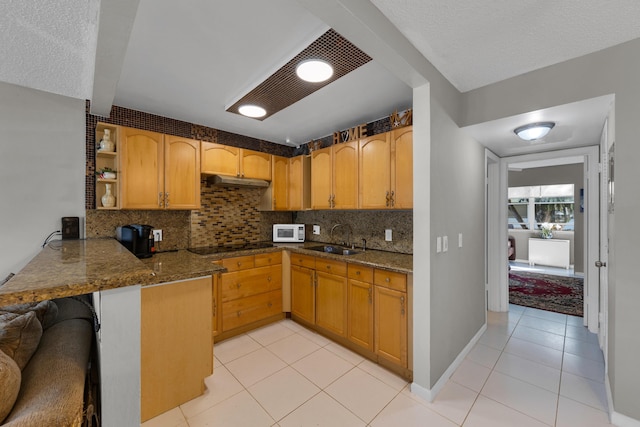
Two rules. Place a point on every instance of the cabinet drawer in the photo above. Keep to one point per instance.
(390, 279)
(271, 258)
(360, 272)
(251, 309)
(240, 284)
(339, 268)
(238, 263)
(303, 260)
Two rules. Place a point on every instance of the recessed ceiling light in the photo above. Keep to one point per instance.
(252, 111)
(534, 131)
(314, 70)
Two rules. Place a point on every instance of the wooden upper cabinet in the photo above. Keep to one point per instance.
(159, 171)
(299, 177)
(345, 175)
(181, 173)
(142, 169)
(280, 182)
(402, 167)
(321, 171)
(220, 159)
(232, 161)
(375, 172)
(255, 164)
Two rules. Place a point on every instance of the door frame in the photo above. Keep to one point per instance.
(498, 295)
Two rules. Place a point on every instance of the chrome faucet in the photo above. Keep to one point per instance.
(349, 231)
(364, 245)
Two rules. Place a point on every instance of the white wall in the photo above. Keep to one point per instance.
(42, 169)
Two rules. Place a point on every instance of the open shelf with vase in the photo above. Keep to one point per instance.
(107, 164)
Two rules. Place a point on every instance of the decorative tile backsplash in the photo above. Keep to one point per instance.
(365, 224)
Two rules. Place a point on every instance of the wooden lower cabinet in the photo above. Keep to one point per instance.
(250, 292)
(331, 296)
(176, 347)
(390, 319)
(303, 293)
(360, 312)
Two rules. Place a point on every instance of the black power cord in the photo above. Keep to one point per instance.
(50, 236)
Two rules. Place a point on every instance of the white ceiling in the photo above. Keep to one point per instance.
(190, 59)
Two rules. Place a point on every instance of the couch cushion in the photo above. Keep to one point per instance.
(46, 311)
(19, 336)
(10, 379)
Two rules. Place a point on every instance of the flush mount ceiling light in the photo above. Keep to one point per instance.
(534, 131)
(314, 70)
(252, 111)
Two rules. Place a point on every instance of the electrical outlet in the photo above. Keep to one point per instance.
(157, 235)
(388, 235)
(316, 229)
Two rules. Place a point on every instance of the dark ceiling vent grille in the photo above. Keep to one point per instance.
(284, 88)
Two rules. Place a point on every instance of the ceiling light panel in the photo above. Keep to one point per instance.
(284, 87)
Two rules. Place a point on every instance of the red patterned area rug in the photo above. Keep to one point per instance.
(544, 291)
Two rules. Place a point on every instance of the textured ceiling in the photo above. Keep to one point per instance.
(49, 45)
(477, 43)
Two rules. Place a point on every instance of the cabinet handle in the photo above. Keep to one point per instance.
(333, 201)
(402, 305)
(329, 200)
(269, 279)
(393, 198)
(239, 313)
(160, 199)
(269, 304)
(388, 199)
(215, 307)
(328, 267)
(166, 200)
(370, 297)
(388, 279)
(357, 274)
(238, 285)
(239, 263)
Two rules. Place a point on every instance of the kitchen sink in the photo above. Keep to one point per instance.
(333, 249)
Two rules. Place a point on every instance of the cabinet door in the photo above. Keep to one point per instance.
(360, 314)
(321, 189)
(176, 348)
(220, 159)
(331, 302)
(390, 325)
(375, 172)
(142, 169)
(402, 168)
(345, 175)
(303, 294)
(279, 182)
(255, 164)
(296, 187)
(182, 173)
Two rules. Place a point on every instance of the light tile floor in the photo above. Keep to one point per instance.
(530, 368)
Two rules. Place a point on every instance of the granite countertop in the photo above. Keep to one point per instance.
(180, 265)
(74, 267)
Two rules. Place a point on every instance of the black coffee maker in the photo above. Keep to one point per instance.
(138, 239)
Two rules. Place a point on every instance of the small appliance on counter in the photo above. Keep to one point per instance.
(138, 239)
(288, 233)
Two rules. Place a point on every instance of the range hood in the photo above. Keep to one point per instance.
(234, 181)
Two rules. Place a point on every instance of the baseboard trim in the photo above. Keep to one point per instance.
(432, 393)
(616, 418)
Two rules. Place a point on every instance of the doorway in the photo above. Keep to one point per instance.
(497, 220)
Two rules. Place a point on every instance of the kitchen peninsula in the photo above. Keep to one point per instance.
(140, 301)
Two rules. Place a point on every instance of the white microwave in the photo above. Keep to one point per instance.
(288, 233)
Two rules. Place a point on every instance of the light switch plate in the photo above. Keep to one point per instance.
(459, 240)
(316, 229)
(157, 235)
(388, 235)
(445, 243)
(438, 244)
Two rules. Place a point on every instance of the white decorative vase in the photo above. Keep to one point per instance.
(108, 200)
(106, 144)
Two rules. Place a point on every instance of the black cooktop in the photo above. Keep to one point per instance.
(210, 250)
